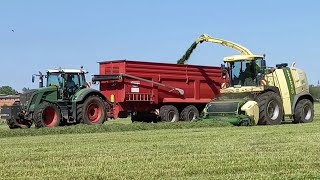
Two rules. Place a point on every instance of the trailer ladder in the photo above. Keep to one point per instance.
(147, 97)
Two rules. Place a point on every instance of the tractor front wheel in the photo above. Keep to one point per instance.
(92, 111)
(47, 115)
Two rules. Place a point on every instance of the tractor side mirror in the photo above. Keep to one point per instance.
(223, 67)
(223, 71)
(32, 78)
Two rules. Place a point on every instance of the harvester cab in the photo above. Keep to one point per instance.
(255, 94)
(65, 99)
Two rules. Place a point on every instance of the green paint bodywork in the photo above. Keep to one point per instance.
(49, 94)
(290, 83)
(230, 111)
(82, 93)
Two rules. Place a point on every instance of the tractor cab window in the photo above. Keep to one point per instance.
(72, 81)
(245, 72)
(82, 80)
(54, 79)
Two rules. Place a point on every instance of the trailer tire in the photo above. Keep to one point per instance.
(189, 113)
(271, 108)
(47, 115)
(169, 113)
(92, 111)
(303, 112)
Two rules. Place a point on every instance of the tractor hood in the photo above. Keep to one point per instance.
(49, 94)
(25, 97)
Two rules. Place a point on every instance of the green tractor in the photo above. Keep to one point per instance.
(66, 99)
(254, 94)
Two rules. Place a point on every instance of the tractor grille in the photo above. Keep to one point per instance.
(25, 97)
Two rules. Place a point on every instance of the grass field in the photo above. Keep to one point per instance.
(158, 151)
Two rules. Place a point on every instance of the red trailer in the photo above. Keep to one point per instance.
(149, 90)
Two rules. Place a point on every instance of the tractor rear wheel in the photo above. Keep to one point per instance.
(189, 113)
(47, 115)
(271, 108)
(92, 111)
(169, 113)
(304, 111)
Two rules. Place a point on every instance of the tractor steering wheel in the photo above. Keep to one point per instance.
(72, 88)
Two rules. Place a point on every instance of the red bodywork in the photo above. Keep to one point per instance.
(199, 83)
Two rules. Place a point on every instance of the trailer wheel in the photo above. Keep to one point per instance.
(47, 115)
(169, 113)
(189, 113)
(92, 111)
(271, 108)
(304, 111)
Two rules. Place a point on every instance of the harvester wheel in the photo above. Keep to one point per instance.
(169, 113)
(47, 115)
(304, 111)
(271, 108)
(92, 111)
(189, 113)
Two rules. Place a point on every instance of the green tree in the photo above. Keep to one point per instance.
(315, 91)
(7, 90)
(25, 89)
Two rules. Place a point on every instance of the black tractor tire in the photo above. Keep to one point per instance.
(189, 113)
(18, 123)
(304, 111)
(169, 113)
(47, 115)
(12, 123)
(271, 108)
(92, 111)
(134, 117)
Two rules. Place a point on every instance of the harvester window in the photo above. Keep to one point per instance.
(245, 73)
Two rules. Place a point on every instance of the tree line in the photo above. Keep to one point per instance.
(8, 90)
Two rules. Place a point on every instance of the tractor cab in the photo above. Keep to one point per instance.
(68, 81)
(244, 71)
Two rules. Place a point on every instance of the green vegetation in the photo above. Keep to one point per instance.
(315, 92)
(289, 151)
(7, 90)
(112, 126)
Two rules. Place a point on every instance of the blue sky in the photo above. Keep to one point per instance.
(72, 33)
